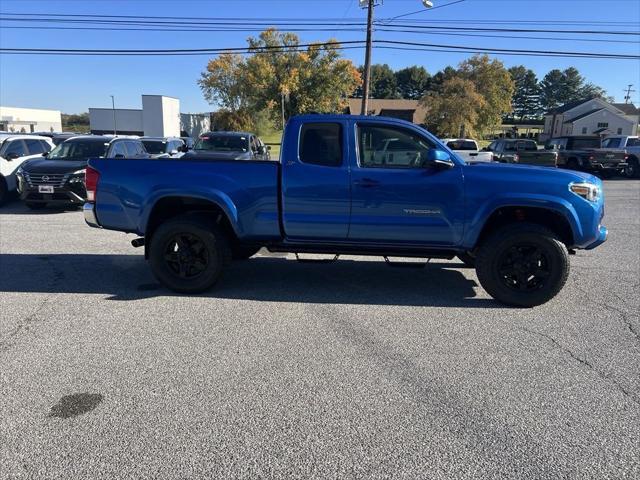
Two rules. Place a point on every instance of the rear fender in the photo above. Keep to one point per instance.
(215, 197)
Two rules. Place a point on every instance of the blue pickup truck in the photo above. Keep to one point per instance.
(353, 185)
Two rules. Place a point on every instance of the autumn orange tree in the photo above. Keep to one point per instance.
(313, 78)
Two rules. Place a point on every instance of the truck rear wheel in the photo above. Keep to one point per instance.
(188, 253)
(523, 265)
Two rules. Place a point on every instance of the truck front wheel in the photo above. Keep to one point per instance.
(188, 253)
(523, 265)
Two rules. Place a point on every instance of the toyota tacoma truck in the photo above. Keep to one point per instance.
(583, 152)
(337, 189)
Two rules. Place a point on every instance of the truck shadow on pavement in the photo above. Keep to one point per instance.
(128, 277)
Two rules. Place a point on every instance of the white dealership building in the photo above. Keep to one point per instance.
(29, 120)
(159, 117)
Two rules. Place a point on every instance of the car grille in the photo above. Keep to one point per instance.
(55, 179)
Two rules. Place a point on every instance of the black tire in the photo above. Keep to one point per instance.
(243, 252)
(633, 168)
(4, 191)
(187, 254)
(35, 205)
(572, 164)
(468, 259)
(522, 265)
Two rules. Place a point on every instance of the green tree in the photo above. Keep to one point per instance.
(412, 82)
(494, 84)
(454, 109)
(560, 87)
(75, 122)
(437, 80)
(526, 97)
(383, 82)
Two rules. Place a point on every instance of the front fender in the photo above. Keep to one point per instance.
(549, 202)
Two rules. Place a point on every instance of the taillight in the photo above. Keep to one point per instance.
(591, 158)
(91, 178)
(516, 158)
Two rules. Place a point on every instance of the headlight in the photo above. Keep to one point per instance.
(77, 176)
(588, 191)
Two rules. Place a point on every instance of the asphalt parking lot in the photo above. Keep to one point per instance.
(289, 370)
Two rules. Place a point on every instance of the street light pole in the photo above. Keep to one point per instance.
(113, 107)
(367, 60)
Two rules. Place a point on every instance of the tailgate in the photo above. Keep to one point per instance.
(608, 157)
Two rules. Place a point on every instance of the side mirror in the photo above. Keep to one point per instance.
(45, 154)
(12, 156)
(438, 159)
(261, 150)
(269, 148)
(184, 148)
(119, 155)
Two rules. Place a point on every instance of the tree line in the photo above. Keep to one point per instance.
(279, 78)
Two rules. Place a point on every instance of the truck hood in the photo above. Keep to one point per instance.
(44, 165)
(510, 171)
(208, 155)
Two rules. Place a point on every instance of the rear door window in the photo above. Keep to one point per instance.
(34, 146)
(321, 144)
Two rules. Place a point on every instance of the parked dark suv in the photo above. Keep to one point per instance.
(58, 178)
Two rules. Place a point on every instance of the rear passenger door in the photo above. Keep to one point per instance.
(316, 183)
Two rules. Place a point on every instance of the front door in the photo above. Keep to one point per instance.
(397, 197)
(316, 183)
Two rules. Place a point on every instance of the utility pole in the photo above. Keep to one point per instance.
(113, 108)
(627, 98)
(370, 4)
(367, 59)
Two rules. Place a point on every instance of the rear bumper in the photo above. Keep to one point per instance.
(90, 215)
(602, 237)
(610, 167)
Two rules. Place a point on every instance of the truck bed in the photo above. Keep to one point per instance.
(128, 189)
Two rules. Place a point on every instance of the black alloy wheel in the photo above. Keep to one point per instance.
(524, 267)
(186, 255)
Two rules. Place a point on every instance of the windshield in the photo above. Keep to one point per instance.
(155, 146)
(462, 145)
(580, 143)
(78, 149)
(222, 143)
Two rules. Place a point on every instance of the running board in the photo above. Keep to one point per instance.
(317, 260)
(405, 264)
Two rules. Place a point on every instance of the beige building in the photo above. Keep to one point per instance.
(29, 120)
(591, 117)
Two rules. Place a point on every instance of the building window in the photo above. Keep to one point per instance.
(584, 130)
(603, 125)
(619, 131)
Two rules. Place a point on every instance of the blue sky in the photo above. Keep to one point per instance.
(75, 83)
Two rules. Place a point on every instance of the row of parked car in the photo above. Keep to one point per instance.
(615, 155)
(49, 168)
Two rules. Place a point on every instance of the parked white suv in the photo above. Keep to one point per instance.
(14, 150)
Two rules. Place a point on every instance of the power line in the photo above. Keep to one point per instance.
(267, 24)
(338, 45)
(299, 30)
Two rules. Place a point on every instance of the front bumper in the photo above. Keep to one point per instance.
(602, 237)
(65, 190)
(90, 215)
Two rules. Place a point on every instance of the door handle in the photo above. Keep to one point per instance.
(367, 183)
